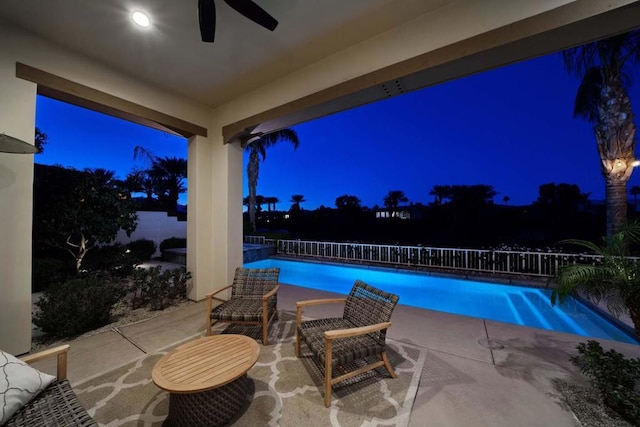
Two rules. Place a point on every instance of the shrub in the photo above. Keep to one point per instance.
(112, 258)
(173, 242)
(141, 250)
(158, 289)
(76, 306)
(46, 272)
(179, 280)
(614, 376)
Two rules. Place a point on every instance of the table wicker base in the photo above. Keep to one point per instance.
(216, 407)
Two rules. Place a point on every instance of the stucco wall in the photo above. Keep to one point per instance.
(17, 118)
(156, 226)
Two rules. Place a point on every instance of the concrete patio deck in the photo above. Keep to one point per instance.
(463, 382)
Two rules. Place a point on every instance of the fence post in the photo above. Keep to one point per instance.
(539, 270)
(493, 261)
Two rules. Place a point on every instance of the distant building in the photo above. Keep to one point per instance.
(403, 212)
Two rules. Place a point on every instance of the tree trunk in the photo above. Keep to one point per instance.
(634, 313)
(615, 136)
(252, 177)
(82, 251)
(616, 204)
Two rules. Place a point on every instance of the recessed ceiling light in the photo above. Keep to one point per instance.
(141, 18)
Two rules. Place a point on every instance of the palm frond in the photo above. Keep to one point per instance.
(577, 60)
(615, 304)
(269, 140)
(588, 95)
(631, 232)
(286, 135)
(141, 152)
(584, 243)
(593, 280)
(615, 280)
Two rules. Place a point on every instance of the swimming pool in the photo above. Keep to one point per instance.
(520, 305)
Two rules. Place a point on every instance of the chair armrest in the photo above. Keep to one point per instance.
(271, 293)
(210, 295)
(60, 351)
(210, 299)
(352, 332)
(310, 302)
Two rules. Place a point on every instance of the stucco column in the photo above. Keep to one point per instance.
(214, 219)
(17, 119)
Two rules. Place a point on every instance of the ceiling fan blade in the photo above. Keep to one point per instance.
(207, 19)
(252, 11)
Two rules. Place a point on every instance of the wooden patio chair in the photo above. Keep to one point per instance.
(56, 405)
(360, 333)
(254, 300)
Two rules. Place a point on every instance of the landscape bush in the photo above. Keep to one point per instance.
(178, 279)
(141, 250)
(173, 242)
(615, 377)
(79, 305)
(113, 259)
(158, 289)
(46, 272)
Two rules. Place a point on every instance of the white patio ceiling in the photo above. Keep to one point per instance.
(171, 56)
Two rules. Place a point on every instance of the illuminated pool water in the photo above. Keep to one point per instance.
(520, 305)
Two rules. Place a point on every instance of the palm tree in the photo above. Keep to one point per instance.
(40, 139)
(440, 192)
(296, 199)
(271, 201)
(258, 149)
(506, 200)
(616, 280)
(139, 181)
(393, 199)
(603, 100)
(259, 202)
(472, 195)
(348, 202)
(102, 177)
(167, 175)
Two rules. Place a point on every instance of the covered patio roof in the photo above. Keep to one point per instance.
(170, 55)
(325, 56)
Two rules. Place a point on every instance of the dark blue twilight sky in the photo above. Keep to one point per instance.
(511, 128)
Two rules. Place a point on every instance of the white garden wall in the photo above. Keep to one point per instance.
(155, 226)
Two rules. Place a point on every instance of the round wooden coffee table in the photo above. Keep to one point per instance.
(207, 379)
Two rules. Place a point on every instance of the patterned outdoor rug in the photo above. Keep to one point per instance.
(286, 390)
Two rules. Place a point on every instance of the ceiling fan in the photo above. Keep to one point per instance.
(247, 8)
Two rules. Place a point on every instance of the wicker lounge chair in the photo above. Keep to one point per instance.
(360, 333)
(254, 300)
(57, 405)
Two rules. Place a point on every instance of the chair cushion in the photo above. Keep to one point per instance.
(345, 350)
(239, 310)
(19, 384)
